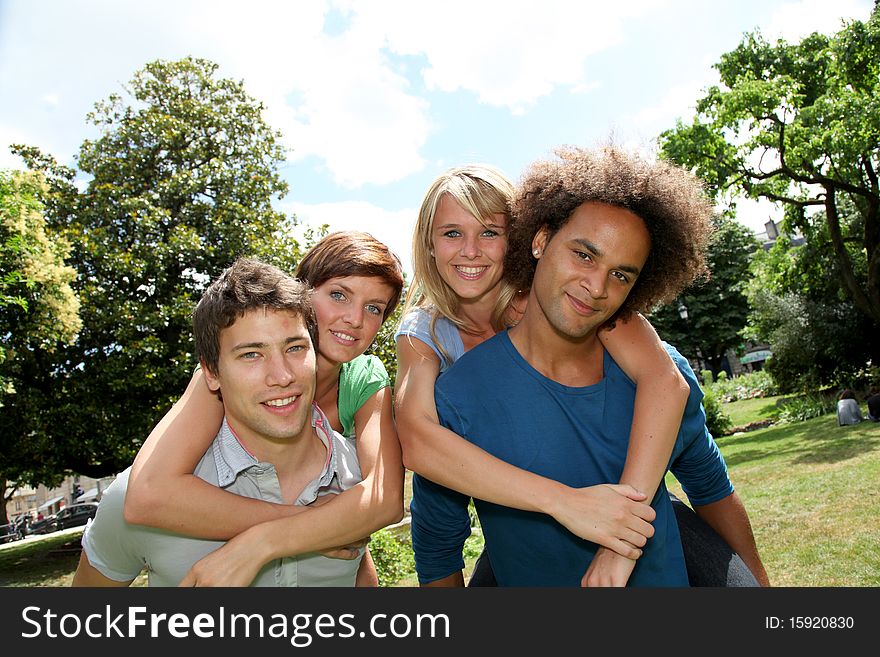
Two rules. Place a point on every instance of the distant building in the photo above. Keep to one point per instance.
(74, 488)
(771, 234)
(752, 360)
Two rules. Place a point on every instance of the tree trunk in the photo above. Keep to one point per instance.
(861, 298)
(3, 517)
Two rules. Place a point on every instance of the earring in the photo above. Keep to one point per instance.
(536, 253)
(431, 252)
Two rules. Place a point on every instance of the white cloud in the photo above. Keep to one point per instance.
(755, 213)
(333, 97)
(508, 52)
(9, 136)
(679, 102)
(346, 99)
(358, 118)
(796, 20)
(14, 135)
(351, 100)
(394, 228)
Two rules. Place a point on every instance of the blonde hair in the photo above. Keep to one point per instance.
(483, 191)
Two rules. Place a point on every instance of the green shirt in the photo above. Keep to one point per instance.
(359, 380)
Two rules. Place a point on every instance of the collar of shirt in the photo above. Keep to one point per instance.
(231, 458)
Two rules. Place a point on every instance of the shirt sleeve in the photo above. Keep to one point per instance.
(359, 380)
(702, 472)
(698, 464)
(440, 518)
(417, 324)
(108, 541)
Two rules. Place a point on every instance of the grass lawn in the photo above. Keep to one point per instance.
(811, 492)
(48, 560)
(752, 410)
(40, 560)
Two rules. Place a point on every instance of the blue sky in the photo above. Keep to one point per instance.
(375, 99)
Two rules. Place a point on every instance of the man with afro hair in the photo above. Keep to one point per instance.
(596, 234)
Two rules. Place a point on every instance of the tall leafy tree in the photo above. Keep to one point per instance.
(717, 308)
(800, 306)
(38, 311)
(799, 124)
(180, 182)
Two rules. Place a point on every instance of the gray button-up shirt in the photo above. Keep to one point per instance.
(120, 550)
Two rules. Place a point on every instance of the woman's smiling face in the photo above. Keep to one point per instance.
(350, 311)
(468, 254)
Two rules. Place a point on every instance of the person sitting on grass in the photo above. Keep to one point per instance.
(848, 411)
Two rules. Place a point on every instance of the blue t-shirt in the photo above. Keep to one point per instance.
(578, 436)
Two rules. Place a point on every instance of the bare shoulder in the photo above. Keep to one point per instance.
(413, 350)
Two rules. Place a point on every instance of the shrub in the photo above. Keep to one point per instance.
(858, 379)
(717, 421)
(473, 546)
(805, 407)
(393, 556)
(745, 386)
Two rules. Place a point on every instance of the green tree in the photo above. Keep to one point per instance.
(178, 184)
(384, 347)
(799, 124)
(800, 306)
(38, 311)
(717, 308)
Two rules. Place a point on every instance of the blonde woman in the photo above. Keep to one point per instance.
(459, 297)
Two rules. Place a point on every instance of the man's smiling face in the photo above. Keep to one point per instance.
(587, 269)
(266, 373)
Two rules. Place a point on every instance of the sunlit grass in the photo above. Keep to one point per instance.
(811, 492)
(43, 561)
(751, 410)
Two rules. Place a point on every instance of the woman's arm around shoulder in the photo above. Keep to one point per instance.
(341, 521)
(661, 395)
(607, 515)
(163, 492)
